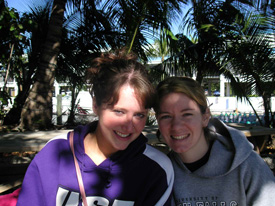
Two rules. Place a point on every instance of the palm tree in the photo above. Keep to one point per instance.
(252, 58)
(144, 15)
(235, 44)
(37, 110)
(140, 20)
(209, 25)
(39, 18)
(71, 69)
(81, 43)
(163, 46)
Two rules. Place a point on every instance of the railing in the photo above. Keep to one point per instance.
(245, 118)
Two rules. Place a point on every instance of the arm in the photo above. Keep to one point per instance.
(32, 191)
(163, 180)
(166, 198)
(259, 183)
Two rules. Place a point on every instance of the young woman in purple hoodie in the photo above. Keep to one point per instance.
(117, 166)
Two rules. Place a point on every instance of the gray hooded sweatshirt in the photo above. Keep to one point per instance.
(234, 174)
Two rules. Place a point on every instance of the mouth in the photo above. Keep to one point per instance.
(122, 134)
(180, 137)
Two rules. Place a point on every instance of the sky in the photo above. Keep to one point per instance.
(23, 5)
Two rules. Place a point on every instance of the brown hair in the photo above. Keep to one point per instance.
(111, 71)
(185, 85)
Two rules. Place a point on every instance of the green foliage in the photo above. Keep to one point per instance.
(252, 58)
(4, 100)
(139, 20)
(11, 32)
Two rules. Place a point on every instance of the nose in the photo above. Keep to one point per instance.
(176, 123)
(128, 125)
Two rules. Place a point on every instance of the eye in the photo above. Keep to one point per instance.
(140, 115)
(187, 114)
(165, 117)
(118, 112)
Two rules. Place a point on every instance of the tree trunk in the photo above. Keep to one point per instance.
(37, 110)
(13, 116)
(71, 117)
(267, 110)
(8, 68)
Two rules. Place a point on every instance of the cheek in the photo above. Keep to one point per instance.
(115, 122)
(110, 120)
(162, 126)
(139, 124)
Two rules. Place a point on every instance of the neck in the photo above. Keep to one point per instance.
(196, 153)
(92, 149)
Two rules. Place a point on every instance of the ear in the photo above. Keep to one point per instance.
(206, 117)
(95, 107)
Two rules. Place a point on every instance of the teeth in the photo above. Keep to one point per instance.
(180, 137)
(122, 135)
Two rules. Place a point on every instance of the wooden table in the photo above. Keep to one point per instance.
(35, 141)
(257, 135)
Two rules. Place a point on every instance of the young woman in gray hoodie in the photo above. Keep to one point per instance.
(214, 164)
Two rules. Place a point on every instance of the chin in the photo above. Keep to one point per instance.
(179, 150)
(121, 147)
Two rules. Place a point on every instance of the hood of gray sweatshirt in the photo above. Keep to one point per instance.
(233, 175)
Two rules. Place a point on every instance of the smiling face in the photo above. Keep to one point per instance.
(181, 124)
(121, 123)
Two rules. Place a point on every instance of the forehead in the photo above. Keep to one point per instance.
(177, 101)
(126, 89)
(128, 96)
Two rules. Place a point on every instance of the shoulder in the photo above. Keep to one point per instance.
(60, 137)
(255, 162)
(53, 147)
(255, 169)
(162, 160)
(57, 141)
(259, 181)
(159, 157)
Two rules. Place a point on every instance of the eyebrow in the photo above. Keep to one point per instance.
(163, 112)
(123, 109)
(183, 110)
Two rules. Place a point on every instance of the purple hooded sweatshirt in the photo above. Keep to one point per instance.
(139, 175)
